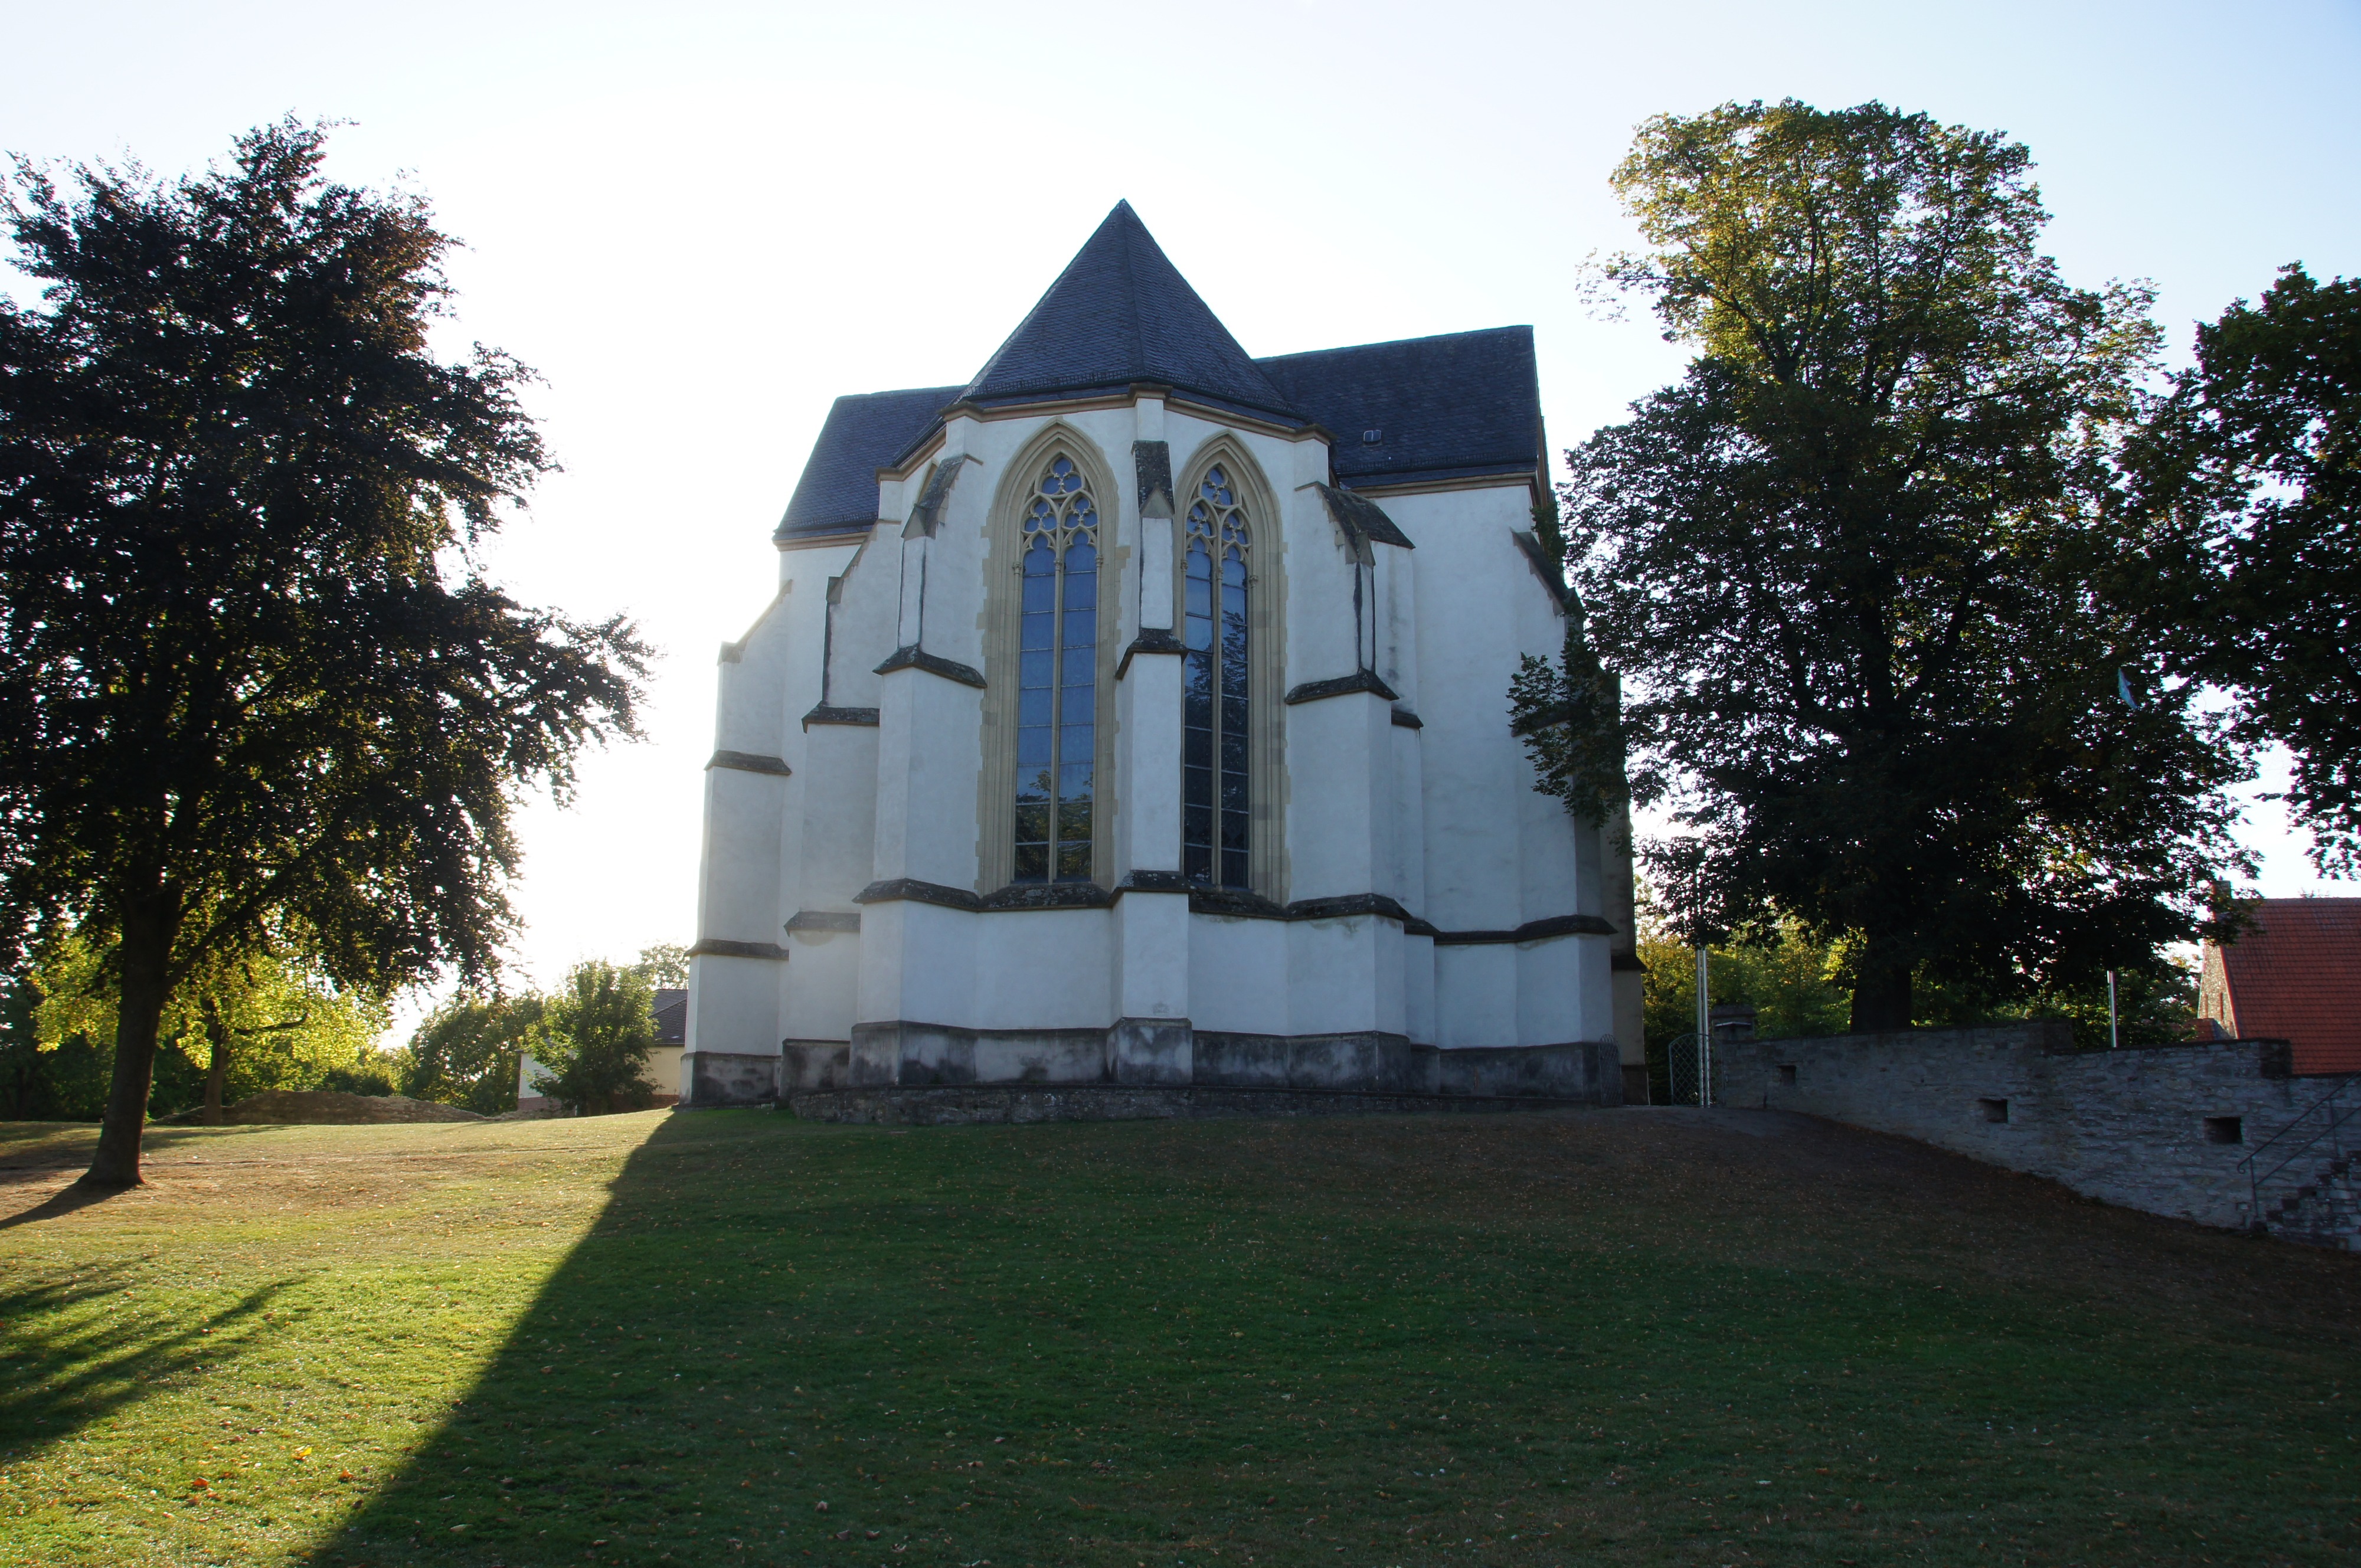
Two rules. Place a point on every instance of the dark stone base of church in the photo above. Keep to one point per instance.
(1014, 1102)
(1147, 1068)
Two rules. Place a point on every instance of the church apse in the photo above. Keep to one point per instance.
(1096, 798)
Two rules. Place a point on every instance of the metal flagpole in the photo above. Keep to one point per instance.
(1705, 1026)
(2114, 1043)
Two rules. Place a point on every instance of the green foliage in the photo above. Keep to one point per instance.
(1844, 566)
(2250, 568)
(251, 677)
(466, 1052)
(664, 964)
(266, 1022)
(1794, 982)
(594, 1039)
(1568, 713)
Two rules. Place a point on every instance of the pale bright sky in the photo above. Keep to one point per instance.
(702, 222)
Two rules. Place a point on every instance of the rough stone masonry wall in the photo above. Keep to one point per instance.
(2128, 1127)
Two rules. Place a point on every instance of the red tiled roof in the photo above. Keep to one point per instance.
(2295, 974)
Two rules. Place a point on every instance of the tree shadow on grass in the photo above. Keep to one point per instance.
(75, 1357)
(66, 1201)
(589, 1437)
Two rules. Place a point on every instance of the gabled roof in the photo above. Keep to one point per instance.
(2294, 975)
(1462, 406)
(672, 1015)
(1459, 406)
(1120, 312)
(838, 492)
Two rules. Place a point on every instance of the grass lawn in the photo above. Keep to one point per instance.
(726, 1337)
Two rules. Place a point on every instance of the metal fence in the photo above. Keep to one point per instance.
(1689, 1060)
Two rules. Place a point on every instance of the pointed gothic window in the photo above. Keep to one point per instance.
(1214, 797)
(1057, 696)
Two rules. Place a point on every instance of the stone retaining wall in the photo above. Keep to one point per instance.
(2162, 1129)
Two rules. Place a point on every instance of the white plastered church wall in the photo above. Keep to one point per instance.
(880, 839)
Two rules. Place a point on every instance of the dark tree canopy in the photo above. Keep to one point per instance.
(2250, 500)
(252, 689)
(1844, 567)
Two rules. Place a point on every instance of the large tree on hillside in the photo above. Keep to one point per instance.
(250, 678)
(2249, 508)
(1843, 567)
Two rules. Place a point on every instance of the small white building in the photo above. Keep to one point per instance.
(1136, 714)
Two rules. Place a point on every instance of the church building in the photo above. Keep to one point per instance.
(1135, 717)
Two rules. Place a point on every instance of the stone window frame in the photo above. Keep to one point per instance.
(1003, 566)
(1265, 642)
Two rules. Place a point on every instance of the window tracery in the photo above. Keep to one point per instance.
(1216, 797)
(1057, 697)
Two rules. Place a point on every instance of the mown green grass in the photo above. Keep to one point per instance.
(1628, 1337)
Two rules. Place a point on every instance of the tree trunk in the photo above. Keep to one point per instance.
(149, 924)
(217, 1067)
(1881, 994)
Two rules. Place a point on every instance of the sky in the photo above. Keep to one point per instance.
(701, 223)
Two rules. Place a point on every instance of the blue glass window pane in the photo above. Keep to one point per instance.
(1216, 754)
(1057, 678)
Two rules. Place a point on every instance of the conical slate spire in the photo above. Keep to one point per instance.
(1122, 313)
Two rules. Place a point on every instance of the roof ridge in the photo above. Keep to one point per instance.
(1397, 342)
(1121, 313)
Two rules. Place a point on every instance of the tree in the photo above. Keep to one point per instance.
(665, 963)
(467, 1051)
(246, 1024)
(2249, 510)
(594, 1040)
(251, 677)
(1844, 567)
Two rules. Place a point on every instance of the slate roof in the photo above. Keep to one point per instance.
(672, 1015)
(838, 492)
(1120, 312)
(2294, 975)
(1463, 405)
